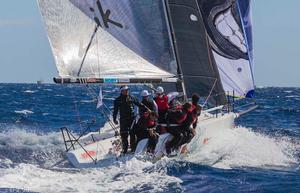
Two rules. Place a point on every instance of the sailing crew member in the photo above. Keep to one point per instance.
(195, 99)
(175, 120)
(147, 104)
(196, 112)
(145, 128)
(124, 104)
(162, 103)
(189, 125)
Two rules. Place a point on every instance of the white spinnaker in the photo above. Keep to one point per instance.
(69, 32)
(235, 74)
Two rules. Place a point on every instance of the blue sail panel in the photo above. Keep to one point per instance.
(246, 18)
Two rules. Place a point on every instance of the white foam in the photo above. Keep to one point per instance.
(25, 112)
(22, 139)
(88, 101)
(30, 91)
(292, 96)
(241, 147)
(118, 177)
(228, 148)
(59, 95)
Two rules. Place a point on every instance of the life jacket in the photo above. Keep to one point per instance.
(151, 123)
(193, 108)
(147, 121)
(149, 104)
(176, 115)
(162, 103)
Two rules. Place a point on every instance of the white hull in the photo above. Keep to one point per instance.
(108, 148)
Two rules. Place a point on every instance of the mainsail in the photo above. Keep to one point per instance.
(206, 44)
(132, 43)
(199, 72)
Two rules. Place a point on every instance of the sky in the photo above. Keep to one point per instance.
(25, 53)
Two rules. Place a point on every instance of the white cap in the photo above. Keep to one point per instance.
(145, 93)
(160, 90)
(125, 87)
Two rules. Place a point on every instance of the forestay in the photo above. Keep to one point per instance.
(132, 40)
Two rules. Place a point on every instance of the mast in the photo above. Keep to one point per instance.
(180, 87)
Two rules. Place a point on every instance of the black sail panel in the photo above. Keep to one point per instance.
(197, 67)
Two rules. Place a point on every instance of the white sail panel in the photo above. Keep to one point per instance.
(70, 31)
(235, 75)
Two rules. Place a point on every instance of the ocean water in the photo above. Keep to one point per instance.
(261, 155)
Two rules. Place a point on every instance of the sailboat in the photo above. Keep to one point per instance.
(202, 46)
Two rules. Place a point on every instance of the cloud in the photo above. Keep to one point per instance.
(14, 22)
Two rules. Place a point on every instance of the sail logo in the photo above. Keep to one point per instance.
(104, 15)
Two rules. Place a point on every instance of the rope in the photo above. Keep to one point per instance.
(210, 92)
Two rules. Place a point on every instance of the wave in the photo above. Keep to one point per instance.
(119, 177)
(25, 157)
(229, 148)
(30, 91)
(21, 138)
(242, 147)
(25, 112)
(292, 96)
(109, 98)
(88, 101)
(22, 146)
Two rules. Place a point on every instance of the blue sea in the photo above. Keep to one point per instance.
(261, 155)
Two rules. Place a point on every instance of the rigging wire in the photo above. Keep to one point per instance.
(210, 92)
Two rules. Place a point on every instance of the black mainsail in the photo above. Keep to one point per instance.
(198, 69)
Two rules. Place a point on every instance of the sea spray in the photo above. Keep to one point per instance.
(242, 147)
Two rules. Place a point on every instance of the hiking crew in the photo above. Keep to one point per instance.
(147, 104)
(189, 125)
(162, 104)
(124, 105)
(175, 120)
(145, 128)
(180, 121)
(196, 112)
